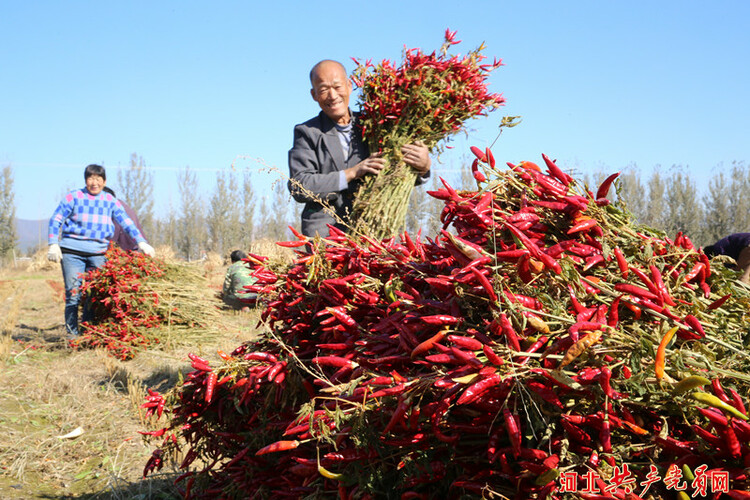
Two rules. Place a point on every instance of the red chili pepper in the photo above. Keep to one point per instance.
(335, 361)
(711, 439)
(660, 286)
(604, 382)
(440, 319)
(490, 158)
(719, 390)
(621, 262)
(514, 433)
(635, 290)
(481, 156)
(634, 309)
(296, 233)
(260, 356)
(486, 285)
(477, 389)
(555, 171)
(694, 272)
(157, 433)
(210, 385)
(546, 393)
(277, 446)
(464, 342)
(605, 436)
(492, 356)
(582, 226)
(613, 317)
(507, 330)
(574, 433)
(660, 360)
(398, 415)
(291, 244)
(695, 324)
(428, 344)
(549, 262)
(604, 186)
(730, 438)
(737, 401)
(718, 302)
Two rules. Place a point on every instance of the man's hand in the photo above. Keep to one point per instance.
(146, 248)
(54, 253)
(372, 165)
(743, 263)
(417, 156)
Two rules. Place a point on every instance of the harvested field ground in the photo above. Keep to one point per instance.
(48, 390)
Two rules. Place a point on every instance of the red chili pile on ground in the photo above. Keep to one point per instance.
(540, 334)
(123, 312)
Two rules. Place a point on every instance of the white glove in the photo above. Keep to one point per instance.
(146, 248)
(54, 253)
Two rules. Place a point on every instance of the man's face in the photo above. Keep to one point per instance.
(331, 90)
(95, 184)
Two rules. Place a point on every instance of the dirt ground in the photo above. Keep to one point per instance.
(48, 391)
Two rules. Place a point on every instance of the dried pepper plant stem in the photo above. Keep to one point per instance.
(382, 212)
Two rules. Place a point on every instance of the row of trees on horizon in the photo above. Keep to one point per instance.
(235, 215)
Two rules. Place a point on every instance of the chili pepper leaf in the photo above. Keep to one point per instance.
(564, 378)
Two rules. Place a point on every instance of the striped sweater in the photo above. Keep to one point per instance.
(84, 223)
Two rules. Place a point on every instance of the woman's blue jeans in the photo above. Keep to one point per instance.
(73, 268)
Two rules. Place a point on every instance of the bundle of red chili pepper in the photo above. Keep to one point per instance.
(541, 333)
(428, 98)
(128, 308)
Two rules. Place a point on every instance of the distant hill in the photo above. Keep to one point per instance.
(31, 233)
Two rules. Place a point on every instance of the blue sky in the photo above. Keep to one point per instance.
(212, 85)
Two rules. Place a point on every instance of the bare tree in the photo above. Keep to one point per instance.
(631, 193)
(719, 218)
(656, 209)
(167, 229)
(223, 215)
(247, 215)
(264, 217)
(424, 210)
(273, 216)
(739, 195)
(191, 240)
(434, 207)
(279, 219)
(466, 178)
(684, 211)
(8, 236)
(415, 212)
(136, 188)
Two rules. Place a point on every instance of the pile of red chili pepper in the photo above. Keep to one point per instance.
(122, 311)
(132, 296)
(427, 97)
(541, 336)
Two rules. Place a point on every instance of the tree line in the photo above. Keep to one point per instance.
(234, 215)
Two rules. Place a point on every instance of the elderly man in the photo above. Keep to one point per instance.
(329, 157)
(736, 246)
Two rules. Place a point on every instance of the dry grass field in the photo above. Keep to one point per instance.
(48, 390)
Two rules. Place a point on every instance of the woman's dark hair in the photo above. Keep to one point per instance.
(108, 189)
(94, 169)
(237, 255)
(710, 250)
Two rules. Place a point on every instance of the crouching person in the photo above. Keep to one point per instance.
(237, 278)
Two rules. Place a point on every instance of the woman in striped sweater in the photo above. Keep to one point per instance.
(79, 234)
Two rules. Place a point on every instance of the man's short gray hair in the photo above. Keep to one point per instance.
(324, 61)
